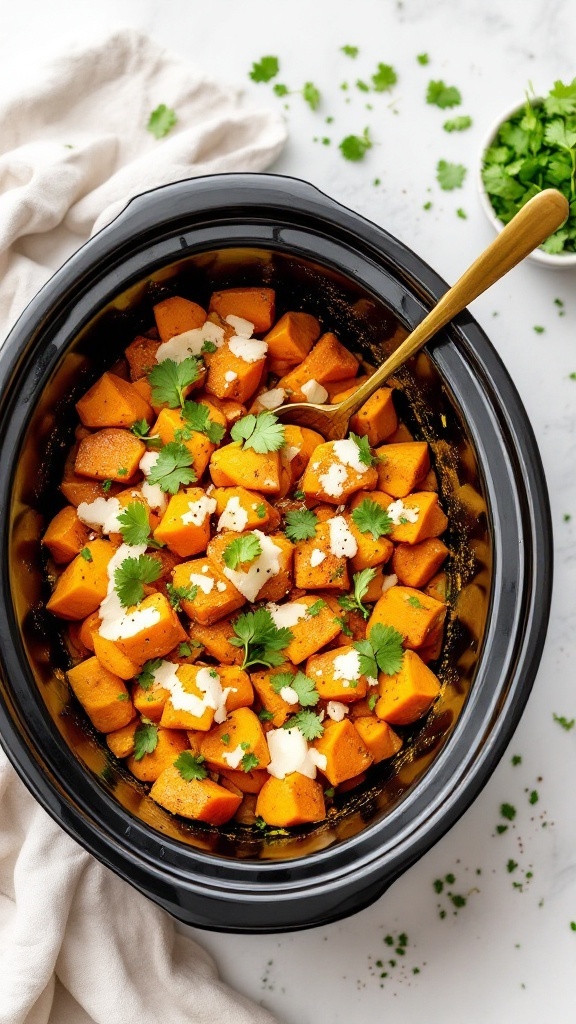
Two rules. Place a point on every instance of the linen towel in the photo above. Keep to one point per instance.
(77, 944)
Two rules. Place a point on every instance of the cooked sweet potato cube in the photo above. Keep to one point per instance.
(411, 612)
(310, 633)
(257, 305)
(171, 742)
(338, 390)
(113, 402)
(66, 535)
(112, 658)
(83, 585)
(241, 733)
(230, 409)
(327, 361)
(272, 701)
(294, 800)
(170, 422)
(329, 478)
(378, 738)
(215, 640)
(401, 435)
(233, 466)
(110, 454)
(237, 682)
(141, 356)
(150, 703)
(315, 567)
(198, 799)
(346, 753)
(437, 587)
(429, 518)
(185, 525)
(402, 466)
(103, 696)
(274, 585)
(239, 509)
(176, 316)
(233, 377)
(301, 442)
(292, 337)
(407, 696)
(215, 596)
(246, 782)
(174, 717)
(371, 552)
(121, 741)
(158, 639)
(432, 649)
(416, 564)
(336, 675)
(377, 418)
(88, 628)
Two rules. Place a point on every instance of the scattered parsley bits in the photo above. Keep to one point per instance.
(311, 95)
(225, 738)
(263, 432)
(123, 696)
(280, 90)
(353, 602)
(260, 638)
(169, 380)
(261, 511)
(132, 574)
(461, 213)
(107, 484)
(381, 651)
(316, 608)
(450, 176)
(308, 723)
(264, 716)
(249, 762)
(355, 147)
(146, 677)
(442, 95)
(370, 517)
(208, 347)
(511, 866)
(172, 468)
(308, 695)
(457, 124)
(566, 723)
(427, 205)
(135, 524)
(516, 759)
(423, 58)
(145, 740)
(184, 650)
(362, 85)
(161, 120)
(197, 417)
(141, 429)
(241, 550)
(508, 811)
(86, 554)
(350, 51)
(190, 766)
(301, 525)
(265, 69)
(384, 78)
(364, 453)
(538, 329)
(372, 701)
(178, 594)
(533, 798)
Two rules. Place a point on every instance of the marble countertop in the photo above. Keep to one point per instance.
(509, 953)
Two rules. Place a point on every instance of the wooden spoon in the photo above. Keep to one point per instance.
(539, 218)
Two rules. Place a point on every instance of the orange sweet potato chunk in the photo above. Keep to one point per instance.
(378, 738)
(329, 479)
(111, 657)
(103, 696)
(294, 800)
(412, 613)
(407, 696)
(198, 799)
(141, 356)
(176, 718)
(148, 768)
(232, 466)
(121, 741)
(215, 639)
(346, 753)
(273, 587)
(292, 337)
(176, 315)
(110, 454)
(245, 510)
(327, 361)
(246, 782)
(430, 519)
(416, 564)
(150, 703)
(329, 673)
(66, 535)
(184, 537)
(310, 633)
(241, 733)
(402, 466)
(113, 402)
(231, 377)
(377, 418)
(270, 700)
(371, 552)
(169, 425)
(157, 640)
(214, 599)
(257, 305)
(301, 442)
(83, 585)
(331, 573)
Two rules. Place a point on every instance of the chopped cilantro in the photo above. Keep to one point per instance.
(457, 124)
(184, 650)
(566, 723)
(370, 517)
(265, 69)
(511, 866)
(265, 716)
(533, 798)
(123, 696)
(301, 525)
(353, 602)
(243, 549)
(442, 95)
(372, 701)
(305, 687)
(414, 602)
(146, 677)
(450, 176)
(161, 120)
(364, 453)
(178, 594)
(107, 484)
(427, 205)
(135, 524)
(263, 432)
(145, 740)
(311, 95)
(197, 418)
(508, 811)
(132, 574)
(307, 722)
(355, 147)
(423, 58)
(260, 638)
(316, 608)
(86, 554)
(261, 510)
(350, 51)
(173, 468)
(461, 213)
(516, 759)
(190, 766)
(280, 90)
(381, 651)
(169, 380)
(538, 329)
(384, 78)
(249, 762)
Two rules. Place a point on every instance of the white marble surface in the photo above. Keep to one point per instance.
(509, 954)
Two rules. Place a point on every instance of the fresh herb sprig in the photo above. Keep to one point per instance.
(353, 602)
(370, 517)
(301, 525)
(169, 380)
(145, 740)
(305, 687)
(242, 550)
(135, 525)
(382, 651)
(261, 640)
(173, 468)
(309, 724)
(263, 432)
(190, 766)
(132, 574)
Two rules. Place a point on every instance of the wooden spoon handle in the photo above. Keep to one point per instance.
(539, 218)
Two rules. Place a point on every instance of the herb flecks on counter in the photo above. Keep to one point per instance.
(161, 121)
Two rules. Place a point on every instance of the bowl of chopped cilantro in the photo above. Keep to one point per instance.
(530, 148)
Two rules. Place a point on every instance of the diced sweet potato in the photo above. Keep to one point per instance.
(437, 587)
(336, 675)
(407, 696)
(301, 442)
(430, 519)
(346, 753)
(377, 418)
(171, 426)
(378, 738)
(245, 510)
(294, 800)
(292, 337)
(103, 696)
(338, 390)
(246, 782)
(185, 525)
(274, 587)
(113, 402)
(148, 768)
(329, 479)
(177, 718)
(232, 466)
(158, 639)
(110, 454)
(311, 633)
(121, 741)
(84, 583)
(416, 564)
(150, 702)
(371, 551)
(176, 315)
(237, 682)
(111, 657)
(66, 535)
(402, 466)
(232, 377)
(327, 361)
(411, 612)
(214, 599)
(230, 409)
(272, 701)
(141, 356)
(242, 729)
(90, 626)
(198, 799)
(313, 572)
(215, 640)
(257, 305)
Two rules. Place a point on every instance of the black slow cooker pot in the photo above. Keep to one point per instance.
(230, 230)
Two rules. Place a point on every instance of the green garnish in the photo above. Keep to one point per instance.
(132, 574)
(301, 525)
(122, 471)
(423, 58)
(184, 650)
(355, 147)
(308, 695)
(145, 740)
(442, 95)
(265, 716)
(169, 380)
(516, 759)
(508, 811)
(261, 511)
(450, 176)
(353, 602)
(372, 701)
(178, 594)
(316, 608)
(225, 738)
(533, 798)
(263, 432)
(208, 347)
(123, 696)
(265, 69)
(307, 722)
(362, 85)
(197, 418)
(381, 651)
(190, 766)
(350, 51)
(172, 468)
(135, 524)
(566, 723)
(280, 90)
(414, 602)
(370, 517)
(146, 677)
(311, 95)
(538, 329)
(260, 638)
(384, 78)
(364, 453)
(161, 121)
(249, 762)
(457, 124)
(243, 549)
(86, 554)
(461, 213)
(141, 430)
(343, 625)
(106, 485)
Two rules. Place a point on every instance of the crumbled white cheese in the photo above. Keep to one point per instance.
(343, 544)
(190, 343)
(314, 392)
(288, 693)
(204, 583)
(199, 510)
(102, 512)
(272, 399)
(398, 511)
(243, 328)
(234, 516)
(207, 681)
(348, 452)
(220, 587)
(205, 568)
(152, 493)
(289, 752)
(347, 667)
(332, 482)
(287, 615)
(389, 581)
(336, 710)
(148, 461)
(262, 569)
(372, 680)
(317, 557)
(248, 349)
(117, 623)
(233, 757)
(230, 376)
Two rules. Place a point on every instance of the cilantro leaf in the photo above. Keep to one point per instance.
(301, 525)
(140, 429)
(370, 517)
(242, 549)
(208, 346)
(262, 641)
(161, 120)
(145, 740)
(86, 554)
(566, 723)
(146, 677)
(249, 762)
(311, 95)
(353, 602)
(169, 380)
(307, 722)
(457, 124)
(184, 650)
(173, 468)
(442, 95)
(350, 51)
(178, 594)
(364, 453)
(561, 99)
(449, 175)
(263, 432)
(280, 90)
(305, 687)
(132, 574)
(261, 510)
(557, 133)
(197, 417)
(372, 701)
(384, 78)
(106, 485)
(190, 766)
(135, 524)
(381, 651)
(423, 58)
(355, 147)
(316, 608)
(265, 69)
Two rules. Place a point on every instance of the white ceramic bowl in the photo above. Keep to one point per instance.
(553, 261)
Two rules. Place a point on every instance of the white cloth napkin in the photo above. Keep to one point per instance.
(77, 944)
